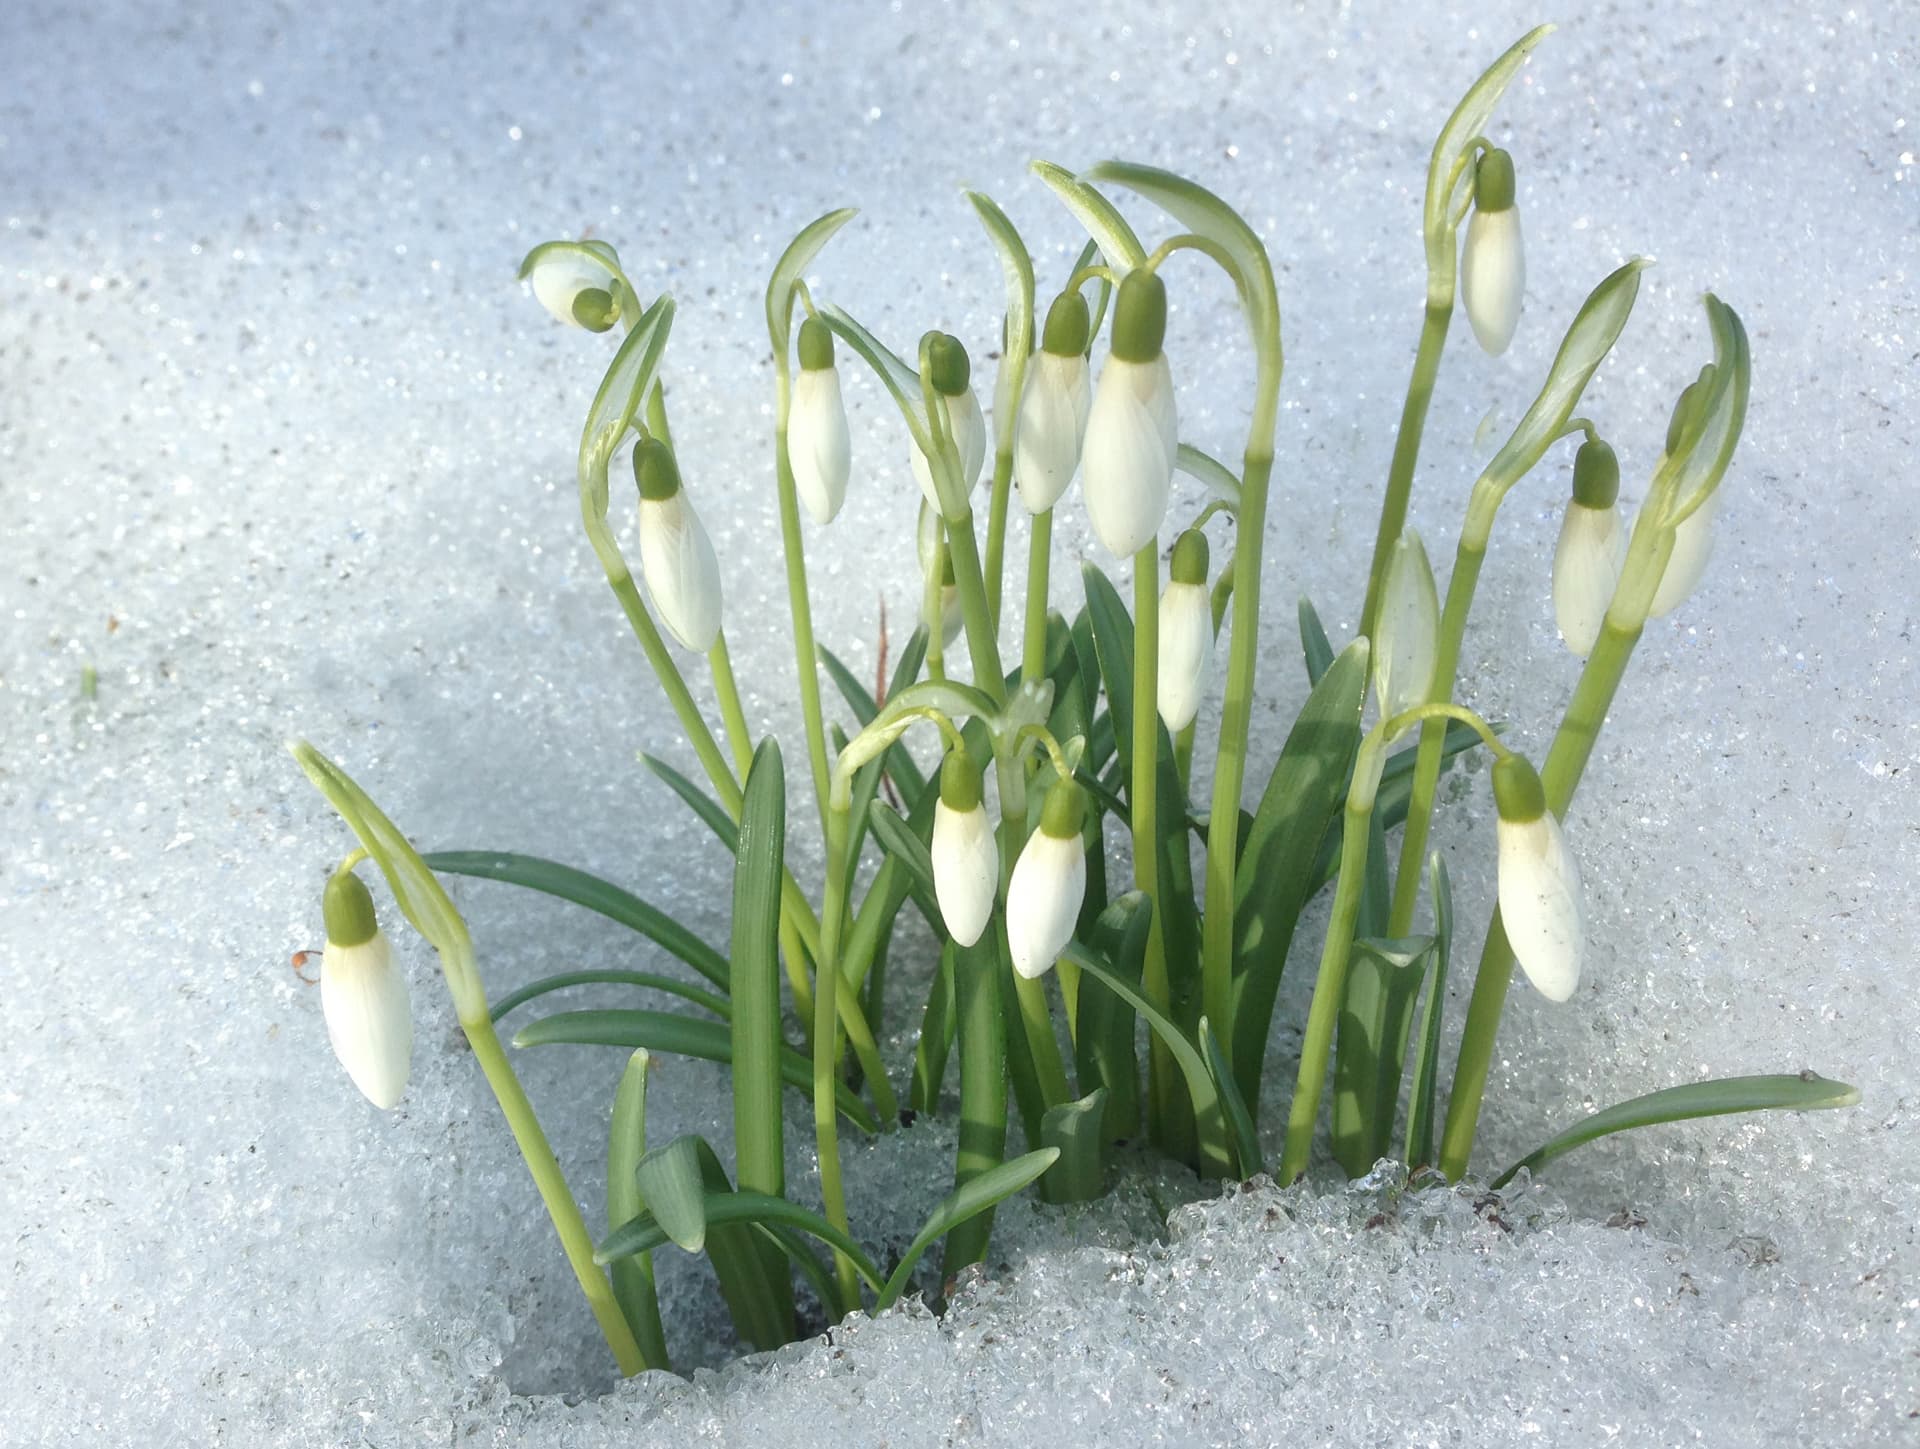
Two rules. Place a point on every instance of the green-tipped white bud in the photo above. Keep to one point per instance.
(1540, 902)
(1054, 407)
(1407, 633)
(676, 556)
(1693, 538)
(818, 448)
(1186, 632)
(369, 1018)
(576, 288)
(966, 860)
(1592, 548)
(952, 385)
(1049, 883)
(1132, 435)
(1493, 265)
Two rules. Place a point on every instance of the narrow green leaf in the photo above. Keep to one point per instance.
(1426, 1062)
(533, 990)
(898, 839)
(968, 1200)
(628, 377)
(633, 1284)
(1240, 1131)
(1796, 1092)
(791, 269)
(1074, 1130)
(1222, 483)
(901, 381)
(670, 1182)
(1313, 642)
(601, 897)
(936, 1036)
(1102, 221)
(982, 1145)
(1103, 1050)
(684, 1036)
(1018, 269)
(759, 1160)
(710, 811)
(1113, 643)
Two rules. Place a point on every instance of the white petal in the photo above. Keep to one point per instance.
(1127, 461)
(952, 617)
(966, 869)
(1540, 904)
(1043, 901)
(682, 574)
(1692, 547)
(1586, 568)
(369, 1018)
(969, 430)
(1053, 420)
(560, 276)
(818, 447)
(1493, 276)
(1186, 652)
(1408, 631)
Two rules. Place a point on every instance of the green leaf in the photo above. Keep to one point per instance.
(670, 1182)
(982, 1142)
(969, 1199)
(1221, 480)
(792, 267)
(759, 1162)
(1596, 327)
(1795, 1092)
(710, 811)
(936, 1036)
(1073, 1129)
(1313, 642)
(1240, 1131)
(1466, 123)
(738, 1209)
(1103, 1051)
(685, 1036)
(533, 990)
(628, 377)
(601, 897)
(1304, 795)
(633, 1284)
(898, 839)
(1102, 221)
(1426, 1062)
(901, 381)
(1383, 983)
(1112, 629)
(1708, 457)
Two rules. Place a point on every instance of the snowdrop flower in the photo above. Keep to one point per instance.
(1054, 407)
(1693, 539)
(1186, 632)
(951, 383)
(676, 556)
(966, 861)
(572, 284)
(1539, 883)
(1132, 432)
(1407, 634)
(1493, 269)
(1049, 883)
(1592, 548)
(369, 1018)
(818, 448)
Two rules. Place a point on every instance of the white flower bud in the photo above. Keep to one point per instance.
(575, 287)
(369, 1017)
(1053, 421)
(676, 556)
(1592, 548)
(1186, 633)
(1493, 267)
(1692, 547)
(1048, 885)
(1407, 633)
(1131, 441)
(969, 429)
(818, 448)
(966, 859)
(1540, 898)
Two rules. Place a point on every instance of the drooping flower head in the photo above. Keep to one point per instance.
(1132, 433)
(574, 284)
(1186, 632)
(369, 1016)
(1591, 550)
(1540, 900)
(676, 556)
(818, 448)
(1493, 266)
(1054, 407)
(1049, 883)
(1693, 538)
(952, 373)
(966, 859)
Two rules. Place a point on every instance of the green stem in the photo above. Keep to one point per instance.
(1328, 989)
(982, 639)
(799, 609)
(997, 529)
(983, 1092)
(932, 607)
(552, 1184)
(1406, 448)
(692, 722)
(731, 714)
(1037, 1018)
(826, 1127)
(1033, 654)
(1163, 1075)
(1566, 760)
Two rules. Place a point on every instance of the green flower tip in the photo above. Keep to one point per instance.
(1067, 326)
(960, 782)
(348, 908)
(1140, 317)
(594, 309)
(1688, 408)
(1065, 811)
(1190, 558)
(655, 470)
(1493, 181)
(1596, 475)
(816, 345)
(1517, 792)
(952, 371)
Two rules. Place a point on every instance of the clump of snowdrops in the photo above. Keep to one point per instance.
(1054, 959)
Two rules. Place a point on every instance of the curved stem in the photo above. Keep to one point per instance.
(826, 1126)
(982, 641)
(698, 732)
(1406, 445)
(801, 611)
(731, 714)
(997, 529)
(1163, 1075)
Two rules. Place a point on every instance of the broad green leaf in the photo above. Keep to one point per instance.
(1596, 327)
(972, 1197)
(1426, 1061)
(982, 1028)
(1102, 221)
(1304, 795)
(533, 990)
(1103, 1050)
(685, 1036)
(1240, 1130)
(670, 1183)
(1018, 268)
(791, 268)
(1383, 984)
(1074, 1130)
(1313, 642)
(597, 895)
(1796, 1092)
(710, 811)
(628, 378)
(1468, 120)
(754, 973)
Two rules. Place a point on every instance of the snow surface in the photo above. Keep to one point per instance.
(285, 451)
